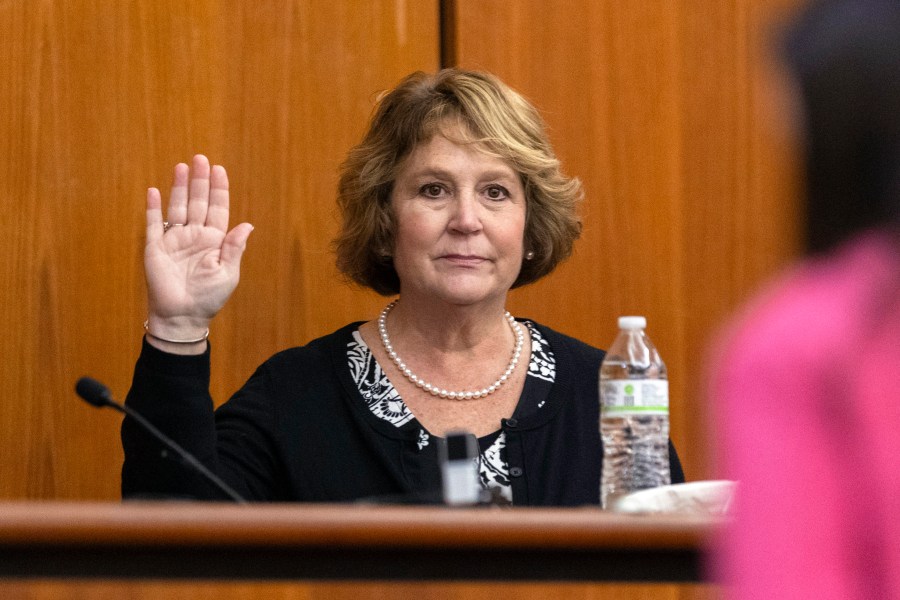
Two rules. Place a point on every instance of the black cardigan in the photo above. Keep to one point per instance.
(298, 430)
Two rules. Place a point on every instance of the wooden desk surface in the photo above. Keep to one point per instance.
(221, 541)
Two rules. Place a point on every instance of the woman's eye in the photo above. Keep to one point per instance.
(497, 192)
(431, 190)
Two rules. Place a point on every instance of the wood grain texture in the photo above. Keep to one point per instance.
(98, 101)
(193, 525)
(662, 109)
(258, 534)
(166, 590)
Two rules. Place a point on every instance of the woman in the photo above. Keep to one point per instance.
(806, 386)
(453, 198)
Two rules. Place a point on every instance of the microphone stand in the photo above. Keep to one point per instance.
(97, 394)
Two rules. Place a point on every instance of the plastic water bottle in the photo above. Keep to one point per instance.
(634, 414)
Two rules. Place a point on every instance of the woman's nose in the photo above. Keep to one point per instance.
(466, 214)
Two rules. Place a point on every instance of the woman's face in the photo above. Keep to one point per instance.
(460, 223)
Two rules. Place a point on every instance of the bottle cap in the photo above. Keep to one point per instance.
(632, 322)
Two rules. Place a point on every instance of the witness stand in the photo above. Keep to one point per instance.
(152, 540)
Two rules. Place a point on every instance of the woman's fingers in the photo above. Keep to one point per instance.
(198, 192)
(217, 213)
(154, 215)
(178, 198)
(190, 196)
(234, 245)
(199, 197)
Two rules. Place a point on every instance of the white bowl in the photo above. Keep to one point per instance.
(697, 497)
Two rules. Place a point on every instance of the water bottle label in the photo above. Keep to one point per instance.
(635, 396)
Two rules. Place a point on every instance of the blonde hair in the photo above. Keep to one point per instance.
(493, 116)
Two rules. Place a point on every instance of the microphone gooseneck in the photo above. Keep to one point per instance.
(96, 394)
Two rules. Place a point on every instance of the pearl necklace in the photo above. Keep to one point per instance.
(435, 390)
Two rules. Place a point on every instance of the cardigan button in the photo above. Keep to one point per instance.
(512, 422)
(515, 472)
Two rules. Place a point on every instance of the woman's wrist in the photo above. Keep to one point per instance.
(178, 336)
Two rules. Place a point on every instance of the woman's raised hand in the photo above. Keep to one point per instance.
(192, 262)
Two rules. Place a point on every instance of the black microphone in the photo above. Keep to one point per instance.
(97, 394)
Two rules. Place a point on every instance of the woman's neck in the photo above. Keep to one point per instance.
(442, 327)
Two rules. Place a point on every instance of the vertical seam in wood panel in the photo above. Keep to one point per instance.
(447, 33)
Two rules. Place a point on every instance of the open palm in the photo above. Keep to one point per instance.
(192, 261)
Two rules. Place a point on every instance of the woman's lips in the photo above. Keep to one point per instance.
(466, 260)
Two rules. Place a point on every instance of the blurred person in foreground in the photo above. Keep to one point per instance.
(453, 198)
(807, 383)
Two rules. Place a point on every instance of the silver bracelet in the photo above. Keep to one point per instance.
(162, 339)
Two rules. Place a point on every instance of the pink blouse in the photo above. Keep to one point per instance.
(806, 401)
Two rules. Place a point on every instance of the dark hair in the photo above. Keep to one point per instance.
(491, 115)
(845, 58)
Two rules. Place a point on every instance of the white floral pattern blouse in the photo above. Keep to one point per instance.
(385, 403)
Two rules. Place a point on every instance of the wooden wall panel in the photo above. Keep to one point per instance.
(98, 100)
(664, 110)
(660, 107)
